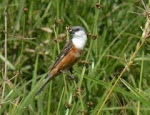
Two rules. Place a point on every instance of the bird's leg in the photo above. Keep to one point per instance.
(71, 70)
(69, 73)
(70, 76)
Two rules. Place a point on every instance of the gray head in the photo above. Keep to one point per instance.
(77, 31)
(79, 36)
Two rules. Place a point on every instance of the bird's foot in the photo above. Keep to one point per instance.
(71, 77)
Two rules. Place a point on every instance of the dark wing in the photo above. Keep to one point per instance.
(63, 53)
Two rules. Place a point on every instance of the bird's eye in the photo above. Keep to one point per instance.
(77, 29)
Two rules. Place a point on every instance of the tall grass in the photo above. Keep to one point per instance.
(113, 73)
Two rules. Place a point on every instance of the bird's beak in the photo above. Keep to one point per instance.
(71, 31)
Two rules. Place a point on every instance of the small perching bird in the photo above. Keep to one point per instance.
(69, 55)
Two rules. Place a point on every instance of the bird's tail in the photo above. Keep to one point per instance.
(49, 77)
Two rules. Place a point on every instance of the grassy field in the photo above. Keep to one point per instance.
(113, 73)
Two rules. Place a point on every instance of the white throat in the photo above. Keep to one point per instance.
(79, 41)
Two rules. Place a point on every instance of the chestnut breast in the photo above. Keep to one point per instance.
(68, 61)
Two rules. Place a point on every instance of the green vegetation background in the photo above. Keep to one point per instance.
(37, 32)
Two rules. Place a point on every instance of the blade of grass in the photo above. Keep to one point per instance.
(140, 82)
(129, 63)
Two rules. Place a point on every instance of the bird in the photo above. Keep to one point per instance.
(69, 54)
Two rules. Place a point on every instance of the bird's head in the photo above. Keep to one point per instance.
(77, 31)
(79, 36)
